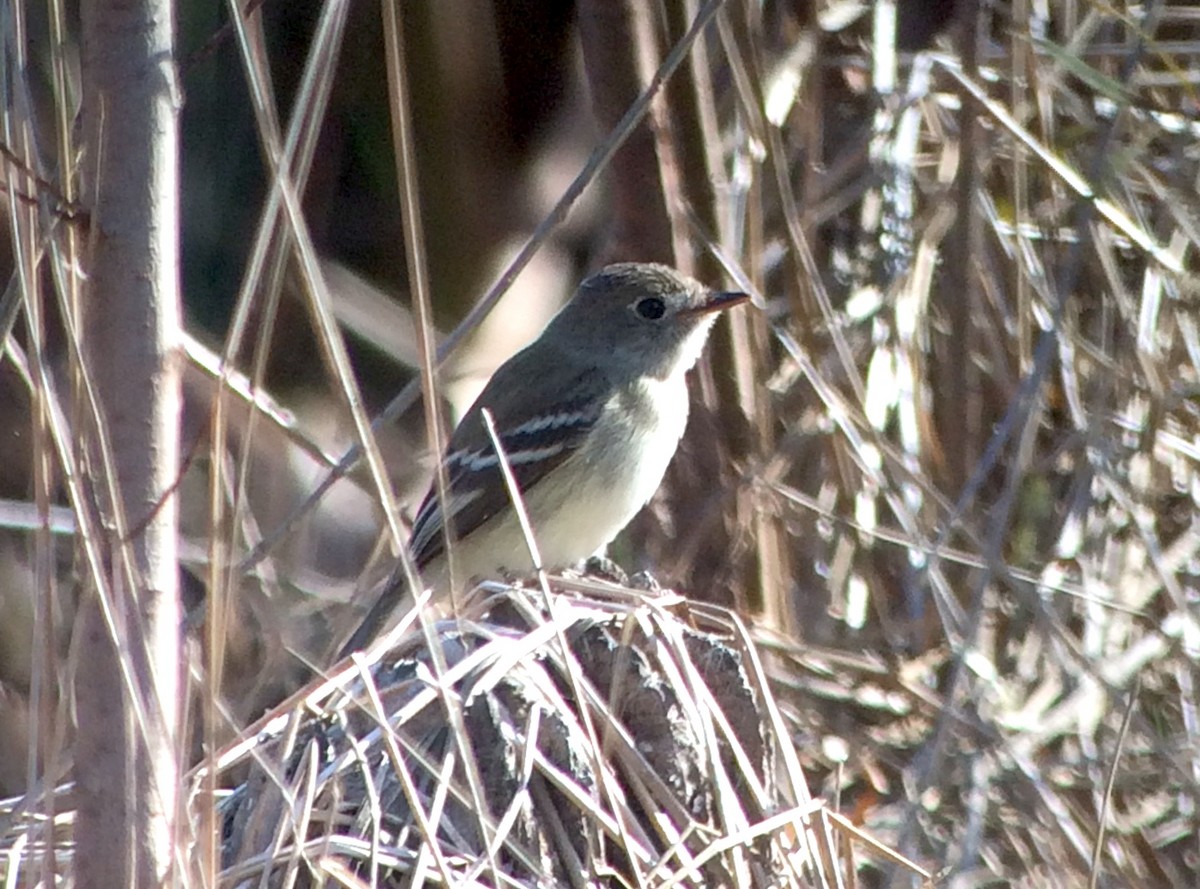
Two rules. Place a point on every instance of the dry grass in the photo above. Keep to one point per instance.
(480, 751)
(957, 485)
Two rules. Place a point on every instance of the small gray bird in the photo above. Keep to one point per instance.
(589, 415)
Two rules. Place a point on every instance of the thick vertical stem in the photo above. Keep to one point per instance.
(127, 683)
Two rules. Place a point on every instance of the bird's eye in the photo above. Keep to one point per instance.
(651, 308)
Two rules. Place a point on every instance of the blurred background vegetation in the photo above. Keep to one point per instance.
(950, 467)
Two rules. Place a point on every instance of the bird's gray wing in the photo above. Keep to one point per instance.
(541, 415)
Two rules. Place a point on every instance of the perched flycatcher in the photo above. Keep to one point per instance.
(588, 416)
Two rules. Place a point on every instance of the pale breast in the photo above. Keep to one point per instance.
(595, 493)
(623, 461)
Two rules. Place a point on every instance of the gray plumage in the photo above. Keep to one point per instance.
(589, 415)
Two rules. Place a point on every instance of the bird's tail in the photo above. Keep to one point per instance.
(393, 595)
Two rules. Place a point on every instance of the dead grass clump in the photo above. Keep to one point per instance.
(479, 752)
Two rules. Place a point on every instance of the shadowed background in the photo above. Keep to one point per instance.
(961, 436)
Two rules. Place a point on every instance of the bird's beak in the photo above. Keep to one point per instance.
(716, 301)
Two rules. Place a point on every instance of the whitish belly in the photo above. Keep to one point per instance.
(622, 467)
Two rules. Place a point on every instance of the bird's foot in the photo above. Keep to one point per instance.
(606, 569)
(646, 582)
